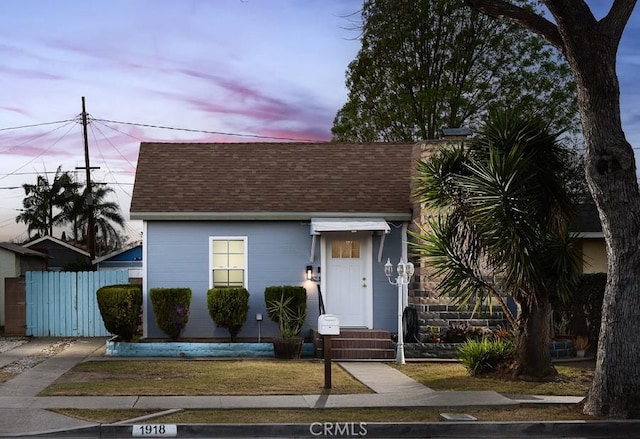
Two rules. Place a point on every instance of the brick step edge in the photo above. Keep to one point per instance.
(347, 345)
(358, 340)
(355, 333)
(359, 354)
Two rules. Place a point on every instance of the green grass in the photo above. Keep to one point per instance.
(168, 377)
(197, 377)
(574, 379)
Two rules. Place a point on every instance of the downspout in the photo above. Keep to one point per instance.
(145, 299)
(405, 257)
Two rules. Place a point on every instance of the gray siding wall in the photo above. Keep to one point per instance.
(278, 252)
(385, 295)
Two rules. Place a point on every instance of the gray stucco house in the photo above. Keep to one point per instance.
(257, 214)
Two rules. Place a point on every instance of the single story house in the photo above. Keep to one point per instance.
(15, 261)
(126, 258)
(257, 214)
(591, 244)
(61, 253)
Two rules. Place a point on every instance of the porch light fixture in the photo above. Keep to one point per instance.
(405, 273)
(311, 276)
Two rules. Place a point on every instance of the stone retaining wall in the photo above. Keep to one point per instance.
(558, 349)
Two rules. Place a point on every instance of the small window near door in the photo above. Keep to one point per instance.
(228, 262)
(345, 249)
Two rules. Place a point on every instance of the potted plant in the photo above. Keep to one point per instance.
(287, 306)
(581, 344)
(433, 334)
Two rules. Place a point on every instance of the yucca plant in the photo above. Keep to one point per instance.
(485, 355)
(500, 207)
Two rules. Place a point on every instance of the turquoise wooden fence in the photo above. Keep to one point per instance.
(63, 304)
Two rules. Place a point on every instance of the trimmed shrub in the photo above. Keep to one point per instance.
(459, 333)
(121, 309)
(228, 308)
(290, 301)
(171, 309)
(479, 356)
(583, 312)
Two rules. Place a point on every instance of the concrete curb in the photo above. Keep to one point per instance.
(585, 429)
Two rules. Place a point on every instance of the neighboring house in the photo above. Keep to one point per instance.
(129, 258)
(61, 253)
(591, 244)
(15, 261)
(257, 214)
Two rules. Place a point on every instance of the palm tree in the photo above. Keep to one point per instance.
(45, 203)
(502, 210)
(106, 216)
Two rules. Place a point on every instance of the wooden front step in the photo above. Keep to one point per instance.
(357, 344)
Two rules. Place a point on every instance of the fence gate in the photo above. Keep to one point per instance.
(63, 304)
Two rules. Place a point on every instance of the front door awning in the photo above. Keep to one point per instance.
(319, 225)
(323, 225)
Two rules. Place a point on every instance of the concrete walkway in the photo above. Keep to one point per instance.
(21, 410)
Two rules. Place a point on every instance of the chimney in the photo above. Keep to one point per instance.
(461, 133)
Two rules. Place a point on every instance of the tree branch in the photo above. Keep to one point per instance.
(618, 16)
(521, 16)
(577, 10)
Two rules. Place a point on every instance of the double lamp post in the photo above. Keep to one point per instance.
(404, 273)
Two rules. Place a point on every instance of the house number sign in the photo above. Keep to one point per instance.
(155, 430)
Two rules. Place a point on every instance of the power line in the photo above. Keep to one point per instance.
(117, 130)
(189, 130)
(43, 151)
(106, 163)
(36, 125)
(112, 145)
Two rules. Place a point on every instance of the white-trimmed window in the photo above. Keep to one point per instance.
(227, 262)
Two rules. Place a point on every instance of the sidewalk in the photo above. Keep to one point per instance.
(22, 411)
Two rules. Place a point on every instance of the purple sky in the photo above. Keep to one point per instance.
(260, 67)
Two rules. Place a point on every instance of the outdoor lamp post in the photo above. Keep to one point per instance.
(405, 272)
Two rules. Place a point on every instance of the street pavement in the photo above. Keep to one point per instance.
(23, 413)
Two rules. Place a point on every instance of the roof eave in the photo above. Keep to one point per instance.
(588, 235)
(264, 216)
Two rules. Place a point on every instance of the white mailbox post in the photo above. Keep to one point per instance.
(328, 326)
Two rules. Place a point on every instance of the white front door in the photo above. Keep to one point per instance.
(347, 274)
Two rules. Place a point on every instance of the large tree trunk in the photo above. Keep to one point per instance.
(611, 174)
(532, 357)
(590, 47)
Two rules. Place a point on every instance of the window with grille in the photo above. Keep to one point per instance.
(345, 249)
(228, 262)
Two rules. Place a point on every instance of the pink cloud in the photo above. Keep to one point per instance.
(256, 103)
(53, 143)
(28, 74)
(257, 110)
(313, 133)
(16, 110)
(238, 89)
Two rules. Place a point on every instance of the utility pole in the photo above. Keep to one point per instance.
(91, 233)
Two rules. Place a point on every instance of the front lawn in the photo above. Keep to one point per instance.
(201, 377)
(574, 379)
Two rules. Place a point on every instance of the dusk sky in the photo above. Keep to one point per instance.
(273, 68)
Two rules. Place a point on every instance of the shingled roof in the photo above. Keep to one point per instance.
(271, 180)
